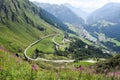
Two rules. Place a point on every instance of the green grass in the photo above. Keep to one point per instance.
(54, 57)
(15, 68)
(83, 63)
(46, 46)
(116, 42)
(17, 35)
(59, 38)
(86, 41)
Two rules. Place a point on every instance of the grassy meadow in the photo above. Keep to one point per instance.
(16, 68)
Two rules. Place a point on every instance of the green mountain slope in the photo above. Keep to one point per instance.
(21, 23)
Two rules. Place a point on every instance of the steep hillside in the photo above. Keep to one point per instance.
(106, 21)
(21, 22)
(61, 12)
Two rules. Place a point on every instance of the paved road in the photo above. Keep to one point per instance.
(42, 59)
(53, 40)
(90, 61)
(25, 51)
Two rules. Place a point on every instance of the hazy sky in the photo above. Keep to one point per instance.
(86, 4)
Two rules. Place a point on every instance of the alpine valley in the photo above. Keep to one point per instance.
(43, 41)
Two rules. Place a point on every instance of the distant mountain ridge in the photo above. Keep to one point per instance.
(106, 21)
(61, 12)
(78, 11)
(109, 12)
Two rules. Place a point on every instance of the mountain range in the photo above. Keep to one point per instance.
(106, 21)
(67, 14)
(109, 12)
(78, 11)
(61, 12)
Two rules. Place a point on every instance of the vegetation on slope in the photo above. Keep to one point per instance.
(79, 50)
(21, 23)
(14, 67)
(45, 46)
(110, 65)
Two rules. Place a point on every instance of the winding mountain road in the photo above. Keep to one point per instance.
(53, 40)
(42, 59)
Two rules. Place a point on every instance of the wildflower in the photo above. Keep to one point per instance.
(110, 74)
(35, 67)
(117, 73)
(90, 67)
(81, 68)
(1, 48)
